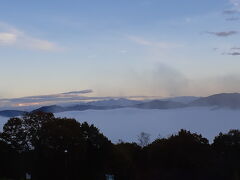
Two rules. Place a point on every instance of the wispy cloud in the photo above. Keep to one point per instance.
(235, 48)
(7, 38)
(146, 42)
(236, 3)
(78, 92)
(234, 53)
(230, 11)
(233, 19)
(223, 33)
(11, 36)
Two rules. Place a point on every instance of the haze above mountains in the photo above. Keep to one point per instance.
(224, 100)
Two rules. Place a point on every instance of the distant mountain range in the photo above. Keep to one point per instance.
(115, 102)
(56, 108)
(182, 99)
(160, 104)
(224, 100)
(12, 113)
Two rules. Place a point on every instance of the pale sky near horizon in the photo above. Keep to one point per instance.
(119, 48)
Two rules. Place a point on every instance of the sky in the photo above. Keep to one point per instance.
(119, 48)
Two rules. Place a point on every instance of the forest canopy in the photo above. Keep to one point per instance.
(49, 148)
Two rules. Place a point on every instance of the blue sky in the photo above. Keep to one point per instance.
(119, 48)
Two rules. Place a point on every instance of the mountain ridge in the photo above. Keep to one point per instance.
(222, 100)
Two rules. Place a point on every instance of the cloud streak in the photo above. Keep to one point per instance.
(235, 48)
(235, 3)
(230, 12)
(234, 53)
(7, 38)
(145, 42)
(223, 33)
(78, 92)
(233, 19)
(45, 99)
(13, 37)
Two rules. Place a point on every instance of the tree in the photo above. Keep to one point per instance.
(127, 158)
(143, 139)
(60, 151)
(55, 148)
(178, 157)
(61, 134)
(229, 140)
(14, 134)
(227, 147)
(22, 134)
(10, 167)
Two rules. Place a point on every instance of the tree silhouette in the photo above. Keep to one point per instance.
(177, 157)
(64, 149)
(229, 140)
(227, 147)
(23, 133)
(46, 144)
(143, 139)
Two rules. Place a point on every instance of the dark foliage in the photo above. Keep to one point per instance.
(60, 148)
